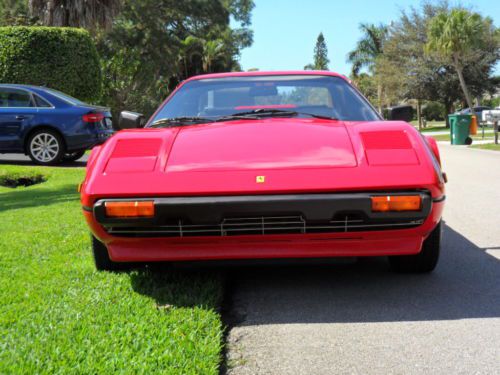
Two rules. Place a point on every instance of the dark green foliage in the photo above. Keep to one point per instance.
(23, 178)
(155, 44)
(14, 12)
(61, 58)
(409, 73)
(434, 111)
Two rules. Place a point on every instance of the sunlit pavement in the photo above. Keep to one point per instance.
(359, 318)
(20, 159)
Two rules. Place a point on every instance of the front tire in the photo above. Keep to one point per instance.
(102, 260)
(45, 147)
(425, 261)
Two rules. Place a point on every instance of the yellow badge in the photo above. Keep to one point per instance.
(260, 179)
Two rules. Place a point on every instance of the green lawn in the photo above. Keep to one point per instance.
(446, 137)
(58, 315)
(432, 126)
(488, 146)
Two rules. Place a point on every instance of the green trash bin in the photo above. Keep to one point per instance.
(459, 129)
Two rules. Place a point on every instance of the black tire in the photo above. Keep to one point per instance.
(73, 156)
(102, 260)
(56, 140)
(425, 261)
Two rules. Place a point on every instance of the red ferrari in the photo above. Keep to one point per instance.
(265, 165)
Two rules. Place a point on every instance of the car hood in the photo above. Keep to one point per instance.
(261, 144)
(276, 155)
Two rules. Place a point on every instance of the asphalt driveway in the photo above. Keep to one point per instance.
(359, 318)
(20, 159)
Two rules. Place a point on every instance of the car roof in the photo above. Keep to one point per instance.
(267, 73)
(23, 86)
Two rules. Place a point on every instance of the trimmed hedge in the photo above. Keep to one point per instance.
(62, 58)
(25, 178)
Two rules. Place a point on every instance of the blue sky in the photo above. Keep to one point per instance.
(285, 31)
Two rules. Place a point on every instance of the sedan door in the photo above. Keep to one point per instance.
(17, 110)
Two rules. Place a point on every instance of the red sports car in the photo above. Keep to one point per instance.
(265, 165)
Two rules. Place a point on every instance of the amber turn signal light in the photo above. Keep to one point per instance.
(130, 209)
(396, 203)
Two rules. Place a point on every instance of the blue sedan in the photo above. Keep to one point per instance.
(49, 126)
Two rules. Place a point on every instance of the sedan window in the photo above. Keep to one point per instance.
(41, 103)
(15, 98)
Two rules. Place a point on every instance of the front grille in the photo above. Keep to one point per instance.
(262, 225)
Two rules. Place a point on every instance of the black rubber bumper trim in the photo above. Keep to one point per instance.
(440, 199)
(86, 208)
(213, 209)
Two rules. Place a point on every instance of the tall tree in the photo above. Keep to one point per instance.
(367, 51)
(321, 54)
(456, 37)
(410, 73)
(154, 44)
(88, 14)
(368, 48)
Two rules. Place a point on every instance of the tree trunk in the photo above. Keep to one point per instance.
(448, 109)
(50, 13)
(419, 115)
(459, 70)
(379, 97)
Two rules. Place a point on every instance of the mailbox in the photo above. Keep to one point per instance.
(491, 116)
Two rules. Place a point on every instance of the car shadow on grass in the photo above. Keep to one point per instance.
(21, 197)
(171, 287)
(464, 285)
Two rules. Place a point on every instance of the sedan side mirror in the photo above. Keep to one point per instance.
(131, 120)
(400, 112)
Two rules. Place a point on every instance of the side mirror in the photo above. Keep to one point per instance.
(400, 112)
(131, 120)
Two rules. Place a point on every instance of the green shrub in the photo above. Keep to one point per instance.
(25, 178)
(62, 58)
(433, 111)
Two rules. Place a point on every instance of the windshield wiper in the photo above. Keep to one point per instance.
(261, 112)
(179, 121)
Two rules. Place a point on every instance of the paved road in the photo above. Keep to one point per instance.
(359, 318)
(20, 159)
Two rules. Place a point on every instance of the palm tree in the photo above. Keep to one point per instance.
(455, 37)
(212, 50)
(88, 14)
(208, 51)
(368, 49)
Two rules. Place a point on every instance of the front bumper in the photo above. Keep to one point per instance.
(162, 239)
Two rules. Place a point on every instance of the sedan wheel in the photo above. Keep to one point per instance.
(45, 147)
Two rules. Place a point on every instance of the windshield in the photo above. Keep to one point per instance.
(221, 98)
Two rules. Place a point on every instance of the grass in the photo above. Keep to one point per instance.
(432, 126)
(488, 146)
(59, 315)
(446, 137)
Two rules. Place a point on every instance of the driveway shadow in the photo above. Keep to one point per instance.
(464, 285)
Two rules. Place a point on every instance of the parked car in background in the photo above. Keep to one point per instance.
(265, 165)
(49, 126)
(477, 110)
